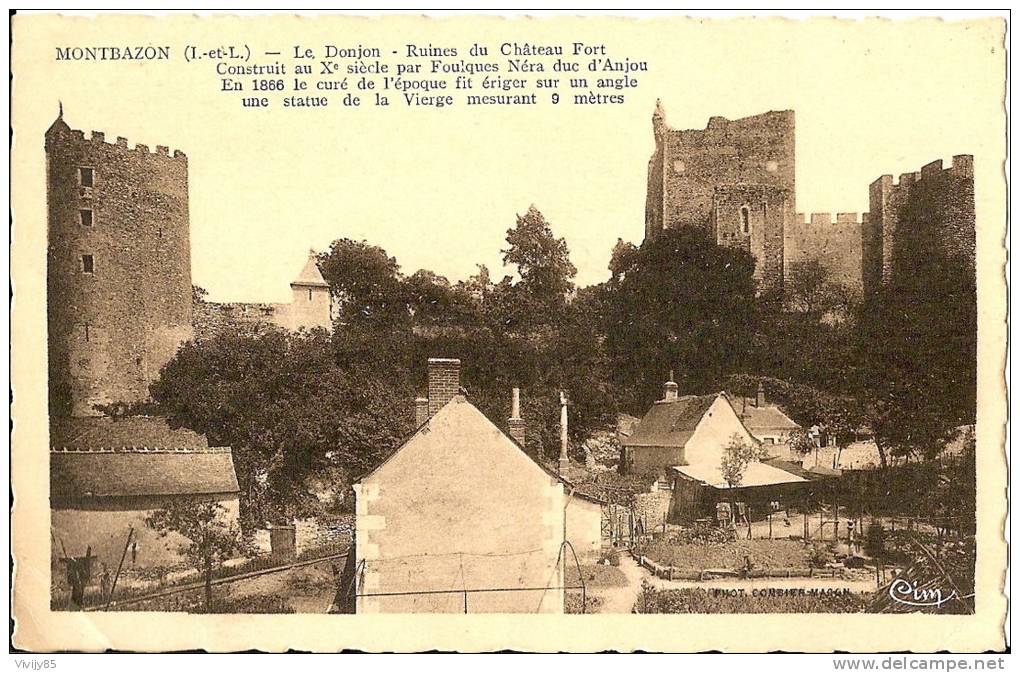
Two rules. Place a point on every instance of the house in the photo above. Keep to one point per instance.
(459, 518)
(682, 430)
(100, 488)
(767, 422)
(683, 440)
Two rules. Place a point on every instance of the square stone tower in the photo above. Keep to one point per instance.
(735, 179)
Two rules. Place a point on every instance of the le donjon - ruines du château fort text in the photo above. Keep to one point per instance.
(406, 75)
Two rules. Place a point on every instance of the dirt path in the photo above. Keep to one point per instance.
(620, 600)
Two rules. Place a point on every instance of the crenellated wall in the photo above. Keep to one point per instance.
(837, 245)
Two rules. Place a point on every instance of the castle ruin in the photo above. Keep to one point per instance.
(736, 180)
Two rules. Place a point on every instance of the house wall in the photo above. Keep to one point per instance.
(459, 506)
(713, 433)
(103, 523)
(584, 529)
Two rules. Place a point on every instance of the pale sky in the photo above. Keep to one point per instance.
(438, 188)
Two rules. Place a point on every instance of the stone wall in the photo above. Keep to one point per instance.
(838, 246)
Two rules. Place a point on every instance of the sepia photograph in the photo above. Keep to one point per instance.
(616, 321)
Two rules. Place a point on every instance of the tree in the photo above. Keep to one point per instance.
(736, 456)
(288, 407)
(810, 289)
(210, 538)
(543, 264)
(364, 280)
(683, 302)
(801, 442)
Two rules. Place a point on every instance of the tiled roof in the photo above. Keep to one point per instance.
(670, 423)
(103, 432)
(768, 417)
(141, 472)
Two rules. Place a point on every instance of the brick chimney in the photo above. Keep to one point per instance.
(759, 401)
(421, 411)
(669, 389)
(515, 423)
(444, 382)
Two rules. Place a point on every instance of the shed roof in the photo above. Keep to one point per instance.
(670, 423)
(756, 474)
(141, 472)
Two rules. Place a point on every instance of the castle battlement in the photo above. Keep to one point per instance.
(961, 165)
(98, 139)
(825, 219)
(140, 449)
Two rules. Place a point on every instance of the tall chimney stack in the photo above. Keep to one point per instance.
(444, 382)
(669, 389)
(421, 411)
(564, 460)
(515, 422)
(759, 401)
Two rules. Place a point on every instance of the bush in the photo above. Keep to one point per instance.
(874, 541)
(572, 604)
(610, 557)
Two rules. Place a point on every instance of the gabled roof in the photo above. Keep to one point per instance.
(492, 427)
(755, 474)
(670, 423)
(310, 275)
(767, 417)
(141, 472)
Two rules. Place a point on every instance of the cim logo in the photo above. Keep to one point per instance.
(908, 593)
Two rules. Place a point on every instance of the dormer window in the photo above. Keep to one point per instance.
(85, 176)
(745, 220)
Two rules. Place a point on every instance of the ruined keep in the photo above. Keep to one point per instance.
(118, 267)
(735, 179)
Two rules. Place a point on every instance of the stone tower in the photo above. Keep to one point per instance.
(311, 302)
(948, 194)
(118, 274)
(733, 178)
